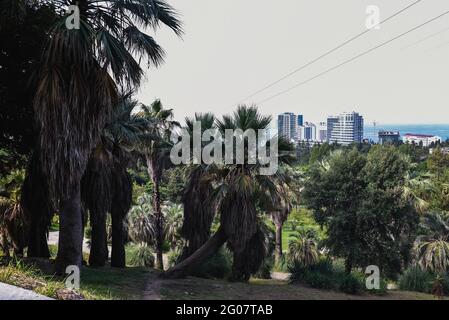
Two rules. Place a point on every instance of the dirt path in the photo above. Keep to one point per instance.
(153, 289)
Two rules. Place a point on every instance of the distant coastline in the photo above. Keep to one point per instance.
(441, 130)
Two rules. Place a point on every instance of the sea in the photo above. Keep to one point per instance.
(441, 130)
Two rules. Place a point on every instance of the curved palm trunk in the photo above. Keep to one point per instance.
(98, 249)
(70, 244)
(118, 239)
(192, 263)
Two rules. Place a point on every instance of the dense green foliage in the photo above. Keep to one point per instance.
(359, 198)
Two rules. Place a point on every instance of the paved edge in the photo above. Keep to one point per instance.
(9, 292)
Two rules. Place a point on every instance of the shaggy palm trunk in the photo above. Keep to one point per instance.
(98, 250)
(192, 263)
(118, 239)
(159, 223)
(70, 244)
(278, 245)
(37, 241)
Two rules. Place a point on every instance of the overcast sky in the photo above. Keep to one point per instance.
(232, 48)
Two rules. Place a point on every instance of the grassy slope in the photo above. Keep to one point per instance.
(133, 283)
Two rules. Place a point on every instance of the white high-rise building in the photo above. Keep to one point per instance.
(322, 132)
(345, 128)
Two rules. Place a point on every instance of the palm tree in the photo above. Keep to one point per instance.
(417, 188)
(241, 189)
(156, 150)
(141, 221)
(77, 91)
(173, 219)
(433, 248)
(106, 186)
(279, 214)
(303, 247)
(199, 209)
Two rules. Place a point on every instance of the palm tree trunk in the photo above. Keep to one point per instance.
(97, 256)
(190, 264)
(278, 245)
(159, 223)
(118, 258)
(37, 239)
(70, 244)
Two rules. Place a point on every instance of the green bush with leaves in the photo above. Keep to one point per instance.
(303, 247)
(324, 275)
(264, 271)
(353, 283)
(173, 256)
(416, 279)
(218, 266)
(141, 255)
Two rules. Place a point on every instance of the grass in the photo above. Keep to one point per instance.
(265, 289)
(130, 283)
(96, 283)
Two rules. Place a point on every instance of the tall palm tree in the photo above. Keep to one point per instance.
(199, 208)
(106, 186)
(156, 150)
(77, 90)
(241, 189)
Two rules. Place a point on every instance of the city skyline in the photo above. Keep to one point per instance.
(216, 66)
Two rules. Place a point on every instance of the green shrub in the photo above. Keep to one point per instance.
(319, 280)
(297, 271)
(141, 255)
(173, 256)
(415, 279)
(353, 283)
(324, 265)
(446, 284)
(281, 265)
(383, 288)
(217, 266)
(264, 271)
(324, 275)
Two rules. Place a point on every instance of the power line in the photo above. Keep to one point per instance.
(353, 58)
(426, 38)
(330, 51)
